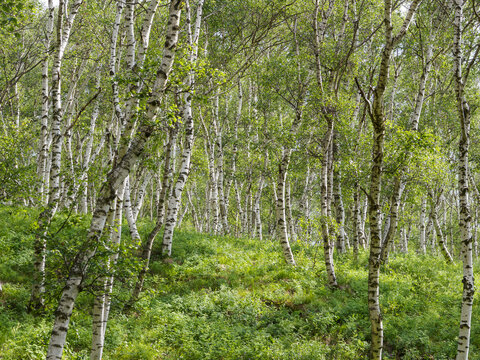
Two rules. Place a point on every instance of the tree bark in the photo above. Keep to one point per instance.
(463, 188)
(176, 196)
(377, 115)
(280, 207)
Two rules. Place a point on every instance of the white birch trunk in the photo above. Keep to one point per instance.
(132, 223)
(256, 208)
(43, 151)
(280, 208)
(176, 196)
(288, 203)
(340, 212)
(463, 189)
(422, 220)
(324, 193)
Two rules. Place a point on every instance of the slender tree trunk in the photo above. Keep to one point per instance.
(280, 208)
(101, 306)
(43, 153)
(463, 189)
(340, 212)
(256, 208)
(132, 223)
(357, 218)
(440, 238)
(423, 210)
(288, 203)
(377, 115)
(176, 196)
(398, 188)
(325, 195)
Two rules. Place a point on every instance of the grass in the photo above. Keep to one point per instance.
(229, 298)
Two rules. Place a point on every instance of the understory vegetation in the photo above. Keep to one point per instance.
(233, 298)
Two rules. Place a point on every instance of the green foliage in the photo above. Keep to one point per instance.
(17, 172)
(229, 298)
(12, 12)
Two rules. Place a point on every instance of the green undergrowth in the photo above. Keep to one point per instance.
(229, 298)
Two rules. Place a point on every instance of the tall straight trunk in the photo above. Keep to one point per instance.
(256, 206)
(182, 215)
(288, 209)
(233, 174)
(422, 220)
(43, 151)
(87, 157)
(340, 214)
(463, 188)
(220, 185)
(305, 200)
(213, 189)
(222, 210)
(280, 207)
(398, 188)
(196, 221)
(325, 201)
(357, 219)
(247, 220)
(142, 191)
(258, 217)
(113, 61)
(433, 233)
(176, 196)
(377, 115)
(363, 222)
(238, 194)
(45, 217)
(127, 204)
(109, 189)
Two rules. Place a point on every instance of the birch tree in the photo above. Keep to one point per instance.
(463, 184)
(376, 110)
(64, 27)
(109, 189)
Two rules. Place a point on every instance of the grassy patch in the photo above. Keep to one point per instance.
(228, 298)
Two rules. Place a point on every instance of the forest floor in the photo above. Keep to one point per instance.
(235, 298)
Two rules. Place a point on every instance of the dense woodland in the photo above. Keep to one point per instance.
(212, 179)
